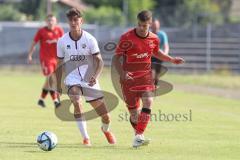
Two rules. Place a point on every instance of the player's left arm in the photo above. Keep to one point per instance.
(164, 57)
(158, 53)
(97, 60)
(98, 66)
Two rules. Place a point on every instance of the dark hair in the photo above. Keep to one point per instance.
(50, 15)
(144, 15)
(73, 12)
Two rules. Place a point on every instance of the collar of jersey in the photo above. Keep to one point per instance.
(135, 31)
(74, 39)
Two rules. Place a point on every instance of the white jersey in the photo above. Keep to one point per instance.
(78, 59)
(77, 54)
(67, 47)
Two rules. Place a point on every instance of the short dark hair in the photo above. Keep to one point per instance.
(144, 15)
(50, 15)
(73, 12)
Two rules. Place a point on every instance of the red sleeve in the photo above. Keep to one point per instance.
(156, 48)
(119, 49)
(124, 45)
(37, 36)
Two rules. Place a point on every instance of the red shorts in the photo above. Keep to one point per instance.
(133, 90)
(48, 66)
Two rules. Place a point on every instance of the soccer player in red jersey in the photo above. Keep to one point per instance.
(136, 47)
(48, 37)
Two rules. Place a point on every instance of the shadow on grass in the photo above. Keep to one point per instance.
(95, 147)
(17, 145)
(35, 149)
(30, 147)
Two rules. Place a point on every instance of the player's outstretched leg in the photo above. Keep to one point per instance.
(74, 94)
(101, 110)
(143, 121)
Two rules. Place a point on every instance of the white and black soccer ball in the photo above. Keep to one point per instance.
(47, 141)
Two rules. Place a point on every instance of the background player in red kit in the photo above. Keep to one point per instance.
(136, 47)
(48, 37)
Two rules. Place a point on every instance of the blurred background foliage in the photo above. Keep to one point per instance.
(123, 12)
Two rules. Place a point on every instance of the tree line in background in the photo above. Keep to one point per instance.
(123, 12)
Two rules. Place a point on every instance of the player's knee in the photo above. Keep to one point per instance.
(147, 102)
(106, 118)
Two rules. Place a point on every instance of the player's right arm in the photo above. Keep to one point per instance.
(37, 37)
(117, 64)
(117, 60)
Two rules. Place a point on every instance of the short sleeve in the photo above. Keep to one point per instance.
(37, 36)
(94, 46)
(123, 45)
(60, 49)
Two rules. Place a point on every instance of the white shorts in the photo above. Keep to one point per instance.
(90, 93)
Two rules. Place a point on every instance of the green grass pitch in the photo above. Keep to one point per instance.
(212, 134)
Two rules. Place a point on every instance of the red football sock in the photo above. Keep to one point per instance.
(54, 95)
(143, 120)
(44, 93)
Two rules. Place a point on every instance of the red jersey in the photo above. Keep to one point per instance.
(48, 42)
(137, 51)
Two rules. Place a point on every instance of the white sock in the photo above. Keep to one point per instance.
(82, 125)
(105, 127)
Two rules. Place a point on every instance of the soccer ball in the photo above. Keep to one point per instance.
(47, 141)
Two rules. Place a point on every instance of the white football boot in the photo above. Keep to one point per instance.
(139, 140)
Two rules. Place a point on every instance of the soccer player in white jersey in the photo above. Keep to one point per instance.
(79, 46)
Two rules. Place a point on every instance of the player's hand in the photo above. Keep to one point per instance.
(177, 60)
(127, 76)
(92, 81)
(29, 60)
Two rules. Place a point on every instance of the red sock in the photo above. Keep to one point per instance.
(54, 95)
(143, 120)
(44, 93)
